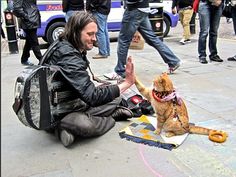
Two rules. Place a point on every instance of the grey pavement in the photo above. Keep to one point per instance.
(209, 93)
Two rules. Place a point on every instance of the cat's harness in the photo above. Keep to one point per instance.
(176, 99)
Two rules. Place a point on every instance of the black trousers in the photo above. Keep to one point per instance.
(31, 43)
(94, 122)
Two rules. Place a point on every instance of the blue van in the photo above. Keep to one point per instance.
(53, 19)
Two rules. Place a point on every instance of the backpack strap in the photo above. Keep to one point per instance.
(45, 112)
(49, 52)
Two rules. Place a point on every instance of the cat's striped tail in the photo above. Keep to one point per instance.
(199, 130)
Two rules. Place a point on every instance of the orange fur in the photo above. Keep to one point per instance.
(166, 111)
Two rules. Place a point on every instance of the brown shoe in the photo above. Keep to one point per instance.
(99, 56)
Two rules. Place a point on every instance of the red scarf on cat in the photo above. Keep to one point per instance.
(169, 97)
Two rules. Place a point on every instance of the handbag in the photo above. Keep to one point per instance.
(227, 10)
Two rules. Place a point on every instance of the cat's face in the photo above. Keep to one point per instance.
(163, 83)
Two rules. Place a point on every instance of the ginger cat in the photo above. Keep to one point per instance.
(170, 109)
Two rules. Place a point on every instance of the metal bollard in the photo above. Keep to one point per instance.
(11, 32)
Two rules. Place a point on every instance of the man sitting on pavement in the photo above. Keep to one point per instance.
(100, 106)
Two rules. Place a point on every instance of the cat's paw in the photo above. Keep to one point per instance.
(157, 131)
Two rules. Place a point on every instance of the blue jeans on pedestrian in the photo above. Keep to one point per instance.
(209, 18)
(102, 34)
(137, 20)
(69, 13)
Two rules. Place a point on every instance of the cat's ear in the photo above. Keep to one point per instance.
(164, 74)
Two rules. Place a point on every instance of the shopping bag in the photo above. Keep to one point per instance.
(137, 42)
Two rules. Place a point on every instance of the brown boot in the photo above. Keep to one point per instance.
(122, 113)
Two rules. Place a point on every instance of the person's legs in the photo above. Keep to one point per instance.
(215, 15)
(130, 23)
(102, 34)
(187, 15)
(68, 14)
(234, 18)
(33, 40)
(204, 20)
(167, 55)
(107, 39)
(181, 17)
(93, 122)
(26, 50)
(85, 125)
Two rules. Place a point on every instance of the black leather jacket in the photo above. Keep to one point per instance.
(73, 65)
(134, 4)
(28, 13)
(101, 6)
(74, 5)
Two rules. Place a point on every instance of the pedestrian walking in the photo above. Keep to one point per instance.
(135, 18)
(29, 20)
(233, 12)
(209, 17)
(101, 9)
(185, 10)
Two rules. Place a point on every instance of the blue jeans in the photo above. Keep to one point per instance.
(69, 13)
(209, 18)
(102, 34)
(137, 20)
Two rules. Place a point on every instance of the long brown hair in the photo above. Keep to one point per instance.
(74, 26)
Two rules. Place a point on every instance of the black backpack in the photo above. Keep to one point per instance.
(139, 106)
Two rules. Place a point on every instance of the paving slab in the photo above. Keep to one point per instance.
(209, 93)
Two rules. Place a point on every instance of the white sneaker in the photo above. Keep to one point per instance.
(187, 41)
(182, 41)
(113, 76)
